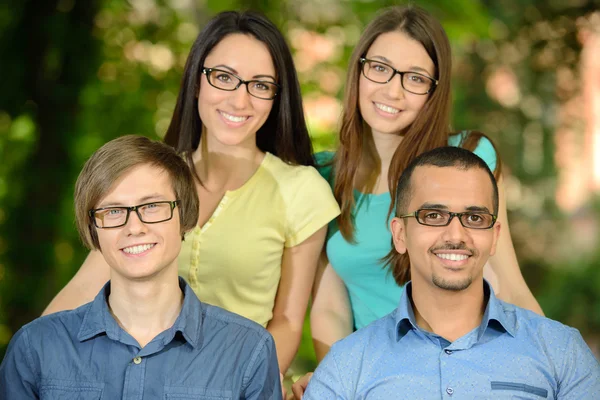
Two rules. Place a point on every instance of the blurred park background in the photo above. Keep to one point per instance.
(75, 74)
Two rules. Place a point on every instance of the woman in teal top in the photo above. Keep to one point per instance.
(372, 290)
(397, 105)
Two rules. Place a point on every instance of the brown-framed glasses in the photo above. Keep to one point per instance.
(468, 219)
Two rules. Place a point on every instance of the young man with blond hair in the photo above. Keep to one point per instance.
(146, 334)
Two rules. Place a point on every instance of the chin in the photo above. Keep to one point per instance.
(454, 285)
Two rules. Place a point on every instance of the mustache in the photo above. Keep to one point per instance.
(455, 246)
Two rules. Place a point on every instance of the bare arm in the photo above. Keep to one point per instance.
(297, 274)
(331, 314)
(84, 286)
(513, 288)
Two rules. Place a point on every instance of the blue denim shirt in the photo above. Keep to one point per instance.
(208, 353)
(514, 353)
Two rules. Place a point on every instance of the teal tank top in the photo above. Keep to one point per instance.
(372, 290)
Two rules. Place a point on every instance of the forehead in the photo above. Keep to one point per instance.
(139, 184)
(243, 53)
(401, 50)
(452, 187)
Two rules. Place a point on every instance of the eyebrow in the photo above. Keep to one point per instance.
(478, 209)
(237, 73)
(145, 199)
(411, 68)
(444, 207)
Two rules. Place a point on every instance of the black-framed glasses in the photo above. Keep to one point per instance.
(413, 82)
(468, 219)
(226, 80)
(148, 213)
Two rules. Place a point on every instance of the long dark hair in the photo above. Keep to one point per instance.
(284, 133)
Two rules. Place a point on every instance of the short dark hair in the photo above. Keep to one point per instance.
(284, 133)
(116, 158)
(448, 156)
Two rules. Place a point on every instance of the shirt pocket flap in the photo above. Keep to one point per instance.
(195, 393)
(51, 389)
(520, 387)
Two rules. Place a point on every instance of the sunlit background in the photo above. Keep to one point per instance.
(75, 74)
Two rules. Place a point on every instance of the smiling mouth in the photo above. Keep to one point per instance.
(387, 109)
(452, 256)
(232, 118)
(138, 249)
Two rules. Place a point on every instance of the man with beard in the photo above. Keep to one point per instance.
(450, 335)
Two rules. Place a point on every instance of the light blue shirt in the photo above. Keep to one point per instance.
(372, 290)
(208, 353)
(514, 353)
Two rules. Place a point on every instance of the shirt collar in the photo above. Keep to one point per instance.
(98, 319)
(496, 312)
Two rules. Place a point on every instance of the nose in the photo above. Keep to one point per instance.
(240, 97)
(394, 87)
(455, 232)
(134, 225)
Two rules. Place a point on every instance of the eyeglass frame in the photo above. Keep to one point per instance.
(364, 60)
(207, 71)
(452, 215)
(173, 204)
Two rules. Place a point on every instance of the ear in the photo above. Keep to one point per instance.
(398, 228)
(496, 232)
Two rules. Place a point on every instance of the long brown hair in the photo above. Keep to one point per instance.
(429, 130)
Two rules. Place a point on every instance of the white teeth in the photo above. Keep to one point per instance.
(233, 118)
(452, 256)
(138, 249)
(387, 109)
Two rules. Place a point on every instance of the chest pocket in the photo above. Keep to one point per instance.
(56, 389)
(191, 393)
(520, 390)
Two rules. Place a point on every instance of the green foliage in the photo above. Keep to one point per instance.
(77, 74)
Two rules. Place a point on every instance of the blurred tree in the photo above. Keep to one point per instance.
(76, 74)
(48, 54)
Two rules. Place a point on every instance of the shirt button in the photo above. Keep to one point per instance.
(450, 391)
(448, 351)
(137, 360)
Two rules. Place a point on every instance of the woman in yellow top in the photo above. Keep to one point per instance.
(264, 209)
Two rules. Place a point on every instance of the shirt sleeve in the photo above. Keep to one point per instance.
(580, 371)
(326, 382)
(18, 379)
(311, 206)
(263, 372)
(485, 150)
(324, 164)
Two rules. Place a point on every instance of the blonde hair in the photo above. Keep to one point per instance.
(111, 161)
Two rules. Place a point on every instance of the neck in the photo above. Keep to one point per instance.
(225, 167)
(144, 309)
(373, 173)
(446, 313)
(385, 146)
